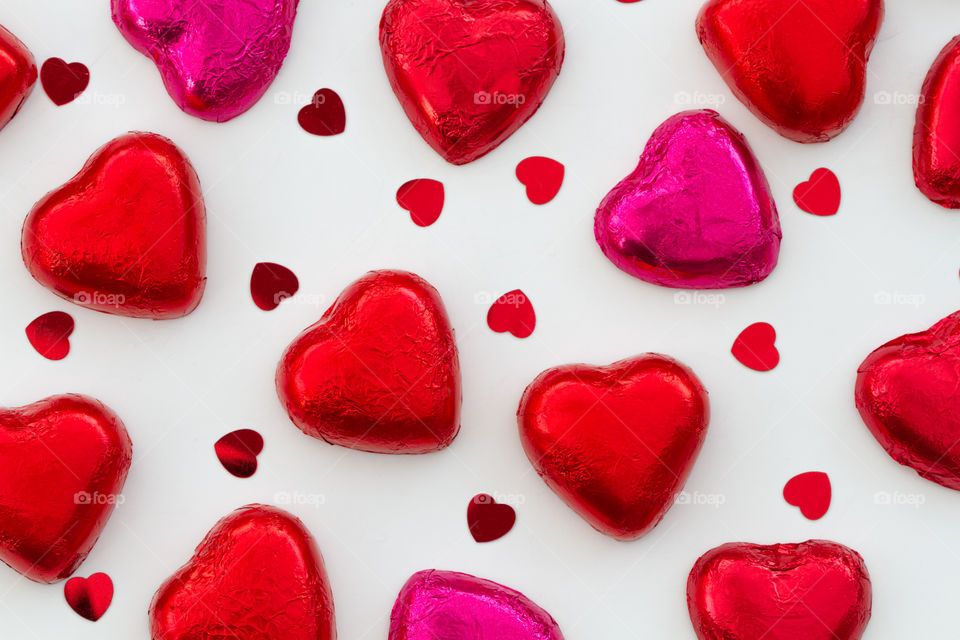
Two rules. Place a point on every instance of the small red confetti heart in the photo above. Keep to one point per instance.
(423, 198)
(543, 178)
(89, 597)
(271, 284)
(755, 347)
(489, 520)
(50, 334)
(238, 451)
(325, 115)
(820, 195)
(811, 492)
(63, 82)
(512, 312)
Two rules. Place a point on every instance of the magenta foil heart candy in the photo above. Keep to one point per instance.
(216, 57)
(696, 213)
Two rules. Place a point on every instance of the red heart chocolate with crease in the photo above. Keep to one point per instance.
(936, 135)
(616, 443)
(63, 462)
(126, 235)
(18, 74)
(379, 371)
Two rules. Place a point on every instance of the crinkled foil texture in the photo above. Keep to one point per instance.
(444, 604)
(936, 136)
(18, 74)
(216, 57)
(696, 213)
(814, 590)
(906, 393)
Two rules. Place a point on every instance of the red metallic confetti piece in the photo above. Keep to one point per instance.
(820, 195)
(489, 520)
(755, 347)
(18, 74)
(50, 333)
(63, 82)
(512, 312)
(542, 177)
(810, 492)
(325, 115)
(271, 284)
(423, 198)
(238, 450)
(89, 597)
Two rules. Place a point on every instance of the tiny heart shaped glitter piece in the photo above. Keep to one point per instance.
(18, 74)
(810, 492)
(126, 235)
(437, 604)
(488, 520)
(543, 178)
(423, 198)
(271, 284)
(89, 597)
(815, 590)
(820, 195)
(50, 333)
(906, 395)
(755, 347)
(63, 462)
(216, 57)
(379, 371)
(512, 312)
(238, 450)
(63, 82)
(616, 443)
(936, 136)
(798, 66)
(257, 574)
(696, 213)
(325, 115)
(506, 56)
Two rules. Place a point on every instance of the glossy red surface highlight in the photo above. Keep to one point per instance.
(18, 74)
(936, 135)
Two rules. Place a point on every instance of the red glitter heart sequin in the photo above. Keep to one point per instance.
(755, 347)
(271, 284)
(543, 178)
(820, 195)
(50, 334)
(325, 115)
(63, 82)
(18, 74)
(810, 492)
(238, 450)
(423, 198)
(512, 312)
(89, 597)
(489, 520)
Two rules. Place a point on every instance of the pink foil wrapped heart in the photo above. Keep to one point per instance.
(696, 213)
(216, 57)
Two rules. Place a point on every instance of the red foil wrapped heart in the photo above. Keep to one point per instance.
(906, 393)
(257, 574)
(18, 74)
(815, 590)
(126, 235)
(798, 66)
(616, 443)
(379, 371)
(63, 462)
(936, 136)
(469, 73)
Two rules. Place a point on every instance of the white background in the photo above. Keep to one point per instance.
(325, 208)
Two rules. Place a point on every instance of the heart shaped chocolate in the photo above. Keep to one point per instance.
(696, 213)
(435, 605)
(63, 462)
(815, 590)
(906, 395)
(18, 74)
(216, 57)
(126, 235)
(616, 443)
(798, 66)
(257, 574)
(379, 371)
(936, 136)
(469, 73)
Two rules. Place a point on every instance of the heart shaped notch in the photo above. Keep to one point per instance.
(126, 235)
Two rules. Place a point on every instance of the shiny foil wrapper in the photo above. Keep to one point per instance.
(216, 57)
(469, 73)
(815, 590)
(18, 74)
(63, 462)
(257, 575)
(615, 443)
(936, 136)
(906, 393)
(379, 371)
(436, 605)
(696, 213)
(798, 66)
(126, 235)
